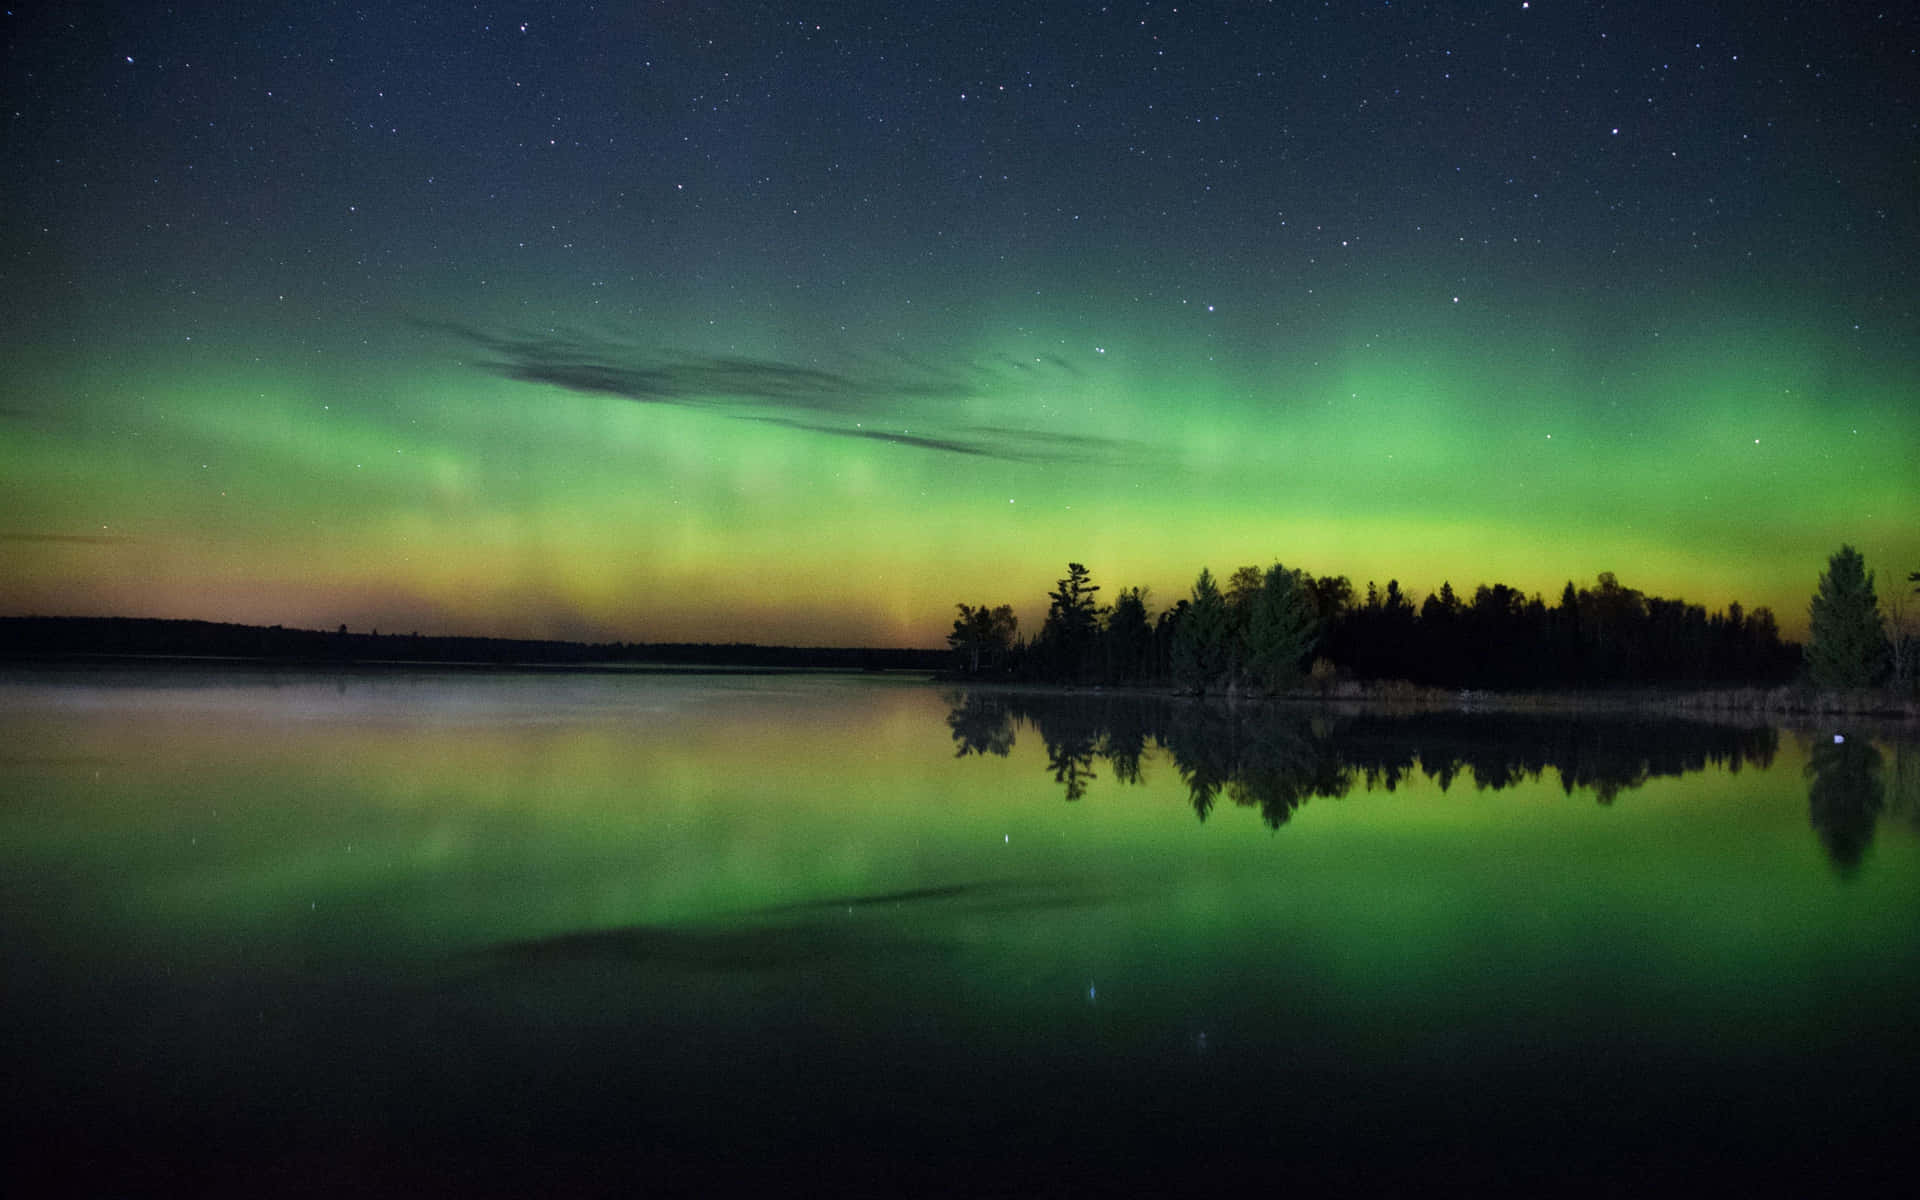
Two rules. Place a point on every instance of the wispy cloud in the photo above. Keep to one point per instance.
(902, 438)
(898, 401)
(1058, 447)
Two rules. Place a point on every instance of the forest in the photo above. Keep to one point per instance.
(1281, 628)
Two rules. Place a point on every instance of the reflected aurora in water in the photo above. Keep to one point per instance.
(403, 929)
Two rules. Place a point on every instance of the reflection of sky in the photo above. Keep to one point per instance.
(475, 908)
(534, 921)
(408, 820)
(674, 324)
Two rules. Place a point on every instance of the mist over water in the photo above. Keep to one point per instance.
(519, 931)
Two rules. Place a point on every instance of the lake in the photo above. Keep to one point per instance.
(395, 932)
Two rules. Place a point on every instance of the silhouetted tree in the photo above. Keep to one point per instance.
(1763, 638)
(1502, 637)
(1204, 637)
(1442, 658)
(1332, 597)
(1846, 647)
(1564, 633)
(1129, 638)
(1612, 619)
(1243, 586)
(1281, 625)
(1609, 633)
(1392, 631)
(1066, 639)
(1332, 603)
(978, 631)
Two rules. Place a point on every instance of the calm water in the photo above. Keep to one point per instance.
(562, 932)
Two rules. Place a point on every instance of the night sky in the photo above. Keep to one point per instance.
(725, 321)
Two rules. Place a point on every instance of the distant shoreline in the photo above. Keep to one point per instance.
(139, 643)
(46, 639)
(374, 666)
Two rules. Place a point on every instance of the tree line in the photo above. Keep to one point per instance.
(1274, 629)
(143, 637)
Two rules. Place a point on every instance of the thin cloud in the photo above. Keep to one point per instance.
(945, 445)
(1061, 446)
(988, 441)
(882, 403)
(700, 381)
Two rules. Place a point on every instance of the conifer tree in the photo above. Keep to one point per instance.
(1202, 640)
(1128, 637)
(1280, 629)
(1846, 646)
(1072, 622)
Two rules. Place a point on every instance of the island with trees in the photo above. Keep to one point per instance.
(1283, 631)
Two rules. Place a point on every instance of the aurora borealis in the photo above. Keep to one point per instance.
(742, 322)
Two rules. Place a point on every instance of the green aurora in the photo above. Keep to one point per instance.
(403, 490)
(802, 387)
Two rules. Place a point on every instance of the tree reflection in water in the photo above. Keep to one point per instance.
(1844, 797)
(1276, 760)
(1903, 782)
(981, 724)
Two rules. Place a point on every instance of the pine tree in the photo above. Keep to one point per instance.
(1128, 637)
(1280, 629)
(1072, 621)
(1846, 646)
(1202, 639)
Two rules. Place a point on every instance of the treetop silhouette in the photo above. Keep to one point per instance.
(1273, 630)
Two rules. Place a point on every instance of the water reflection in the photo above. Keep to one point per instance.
(1276, 760)
(637, 927)
(842, 934)
(1903, 782)
(1844, 797)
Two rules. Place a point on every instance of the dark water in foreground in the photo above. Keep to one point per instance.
(526, 934)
